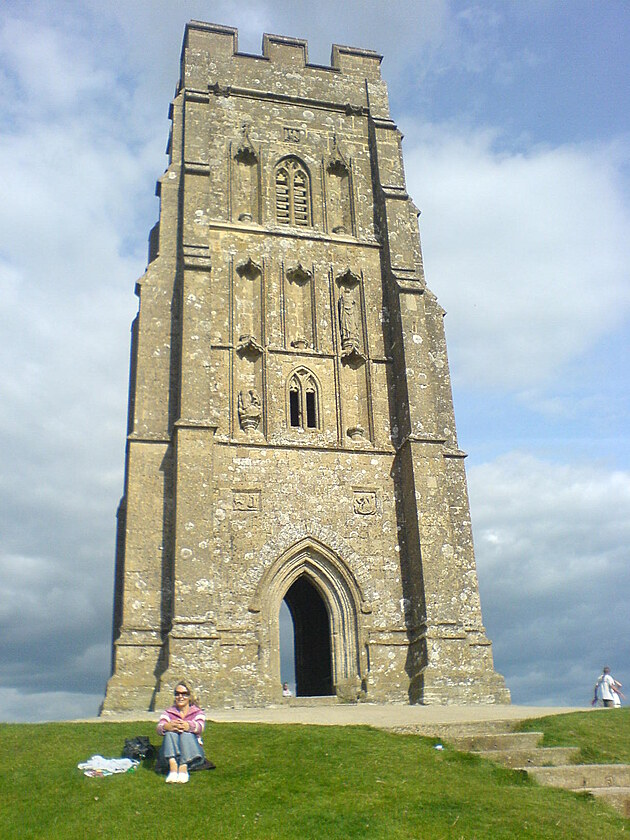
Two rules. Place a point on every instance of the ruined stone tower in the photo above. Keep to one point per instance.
(291, 432)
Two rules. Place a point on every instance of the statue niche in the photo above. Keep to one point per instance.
(353, 371)
(339, 207)
(349, 315)
(247, 305)
(249, 409)
(246, 178)
(248, 344)
(299, 307)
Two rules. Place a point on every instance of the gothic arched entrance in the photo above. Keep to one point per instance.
(311, 627)
(326, 605)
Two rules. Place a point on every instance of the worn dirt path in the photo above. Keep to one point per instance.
(367, 714)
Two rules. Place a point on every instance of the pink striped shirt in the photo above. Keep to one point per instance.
(195, 717)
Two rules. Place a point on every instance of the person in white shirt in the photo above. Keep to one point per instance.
(606, 689)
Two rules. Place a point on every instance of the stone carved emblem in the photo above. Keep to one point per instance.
(365, 502)
(247, 500)
(249, 409)
(293, 135)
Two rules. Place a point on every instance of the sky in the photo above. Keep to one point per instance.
(516, 119)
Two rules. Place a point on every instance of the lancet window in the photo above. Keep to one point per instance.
(293, 205)
(303, 400)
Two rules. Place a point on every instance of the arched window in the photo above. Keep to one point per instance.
(303, 401)
(293, 206)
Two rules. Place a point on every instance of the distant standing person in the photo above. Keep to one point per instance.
(181, 725)
(606, 688)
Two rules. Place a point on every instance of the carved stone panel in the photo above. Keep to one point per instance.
(246, 500)
(365, 502)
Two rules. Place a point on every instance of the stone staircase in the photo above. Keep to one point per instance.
(548, 765)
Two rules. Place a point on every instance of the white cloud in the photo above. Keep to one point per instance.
(551, 543)
(48, 65)
(528, 252)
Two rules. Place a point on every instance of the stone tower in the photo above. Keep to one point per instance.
(291, 432)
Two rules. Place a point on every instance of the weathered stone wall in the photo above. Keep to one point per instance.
(290, 403)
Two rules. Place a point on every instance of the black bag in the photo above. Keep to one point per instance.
(139, 748)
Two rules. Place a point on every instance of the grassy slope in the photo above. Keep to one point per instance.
(603, 735)
(288, 782)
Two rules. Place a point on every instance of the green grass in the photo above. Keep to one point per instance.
(603, 735)
(290, 782)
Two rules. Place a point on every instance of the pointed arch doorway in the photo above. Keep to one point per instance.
(312, 583)
(312, 648)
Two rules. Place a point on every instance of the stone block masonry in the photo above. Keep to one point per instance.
(291, 434)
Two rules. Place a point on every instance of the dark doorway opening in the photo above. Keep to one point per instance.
(311, 627)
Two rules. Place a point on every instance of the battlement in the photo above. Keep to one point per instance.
(221, 44)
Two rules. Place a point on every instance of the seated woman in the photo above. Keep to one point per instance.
(181, 725)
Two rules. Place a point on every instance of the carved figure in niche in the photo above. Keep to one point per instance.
(246, 179)
(348, 321)
(249, 409)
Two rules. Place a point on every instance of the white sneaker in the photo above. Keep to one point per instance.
(172, 777)
(182, 776)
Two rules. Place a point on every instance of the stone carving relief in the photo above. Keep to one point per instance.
(292, 135)
(249, 409)
(365, 502)
(246, 500)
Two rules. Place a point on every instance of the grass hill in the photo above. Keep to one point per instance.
(298, 783)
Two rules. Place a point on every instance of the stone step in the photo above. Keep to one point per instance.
(618, 797)
(582, 776)
(496, 741)
(450, 731)
(530, 758)
(327, 700)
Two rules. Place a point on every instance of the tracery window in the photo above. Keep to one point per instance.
(303, 400)
(293, 206)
